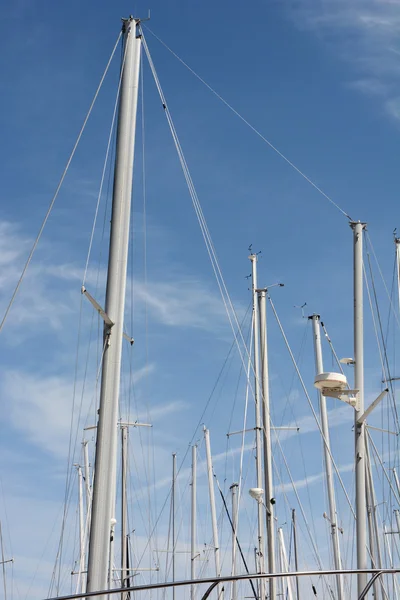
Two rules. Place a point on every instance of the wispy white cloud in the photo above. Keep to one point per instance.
(311, 480)
(366, 34)
(185, 302)
(50, 292)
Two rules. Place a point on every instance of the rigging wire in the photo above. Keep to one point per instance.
(203, 225)
(72, 446)
(385, 362)
(256, 131)
(103, 174)
(235, 534)
(226, 299)
(54, 198)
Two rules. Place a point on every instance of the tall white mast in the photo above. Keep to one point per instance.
(82, 534)
(173, 519)
(213, 510)
(267, 446)
(124, 512)
(104, 485)
(375, 546)
(319, 368)
(296, 560)
(257, 398)
(359, 427)
(193, 528)
(234, 491)
(286, 581)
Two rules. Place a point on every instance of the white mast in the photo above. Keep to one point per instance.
(359, 427)
(319, 368)
(375, 546)
(287, 582)
(124, 460)
(173, 519)
(193, 528)
(106, 445)
(234, 491)
(82, 534)
(296, 561)
(268, 482)
(257, 399)
(213, 510)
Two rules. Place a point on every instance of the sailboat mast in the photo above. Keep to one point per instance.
(213, 511)
(319, 368)
(268, 483)
(82, 536)
(296, 559)
(124, 460)
(104, 484)
(286, 581)
(257, 398)
(193, 526)
(359, 428)
(234, 490)
(173, 519)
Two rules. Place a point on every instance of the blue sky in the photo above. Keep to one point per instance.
(321, 81)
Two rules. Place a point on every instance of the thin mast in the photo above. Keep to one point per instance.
(286, 581)
(213, 509)
(193, 528)
(106, 444)
(319, 368)
(173, 519)
(359, 428)
(257, 400)
(296, 561)
(82, 534)
(234, 491)
(268, 482)
(375, 547)
(124, 556)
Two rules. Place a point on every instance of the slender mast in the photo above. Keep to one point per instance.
(257, 399)
(286, 581)
(82, 536)
(104, 484)
(173, 518)
(213, 510)
(296, 560)
(234, 491)
(359, 428)
(267, 446)
(193, 528)
(375, 546)
(124, 511)
(319, 368)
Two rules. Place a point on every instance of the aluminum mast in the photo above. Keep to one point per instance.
(193, 526)
(359, 428)
(104, 484)
(268, 482)
(257, 399)
(319, 368)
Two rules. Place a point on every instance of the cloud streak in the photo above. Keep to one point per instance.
(365, 33)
